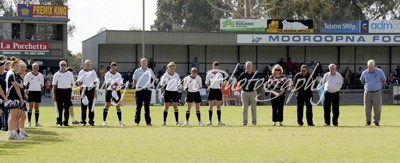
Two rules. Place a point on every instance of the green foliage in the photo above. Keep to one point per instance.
(75, 60)
(186, 15)
(204, 15)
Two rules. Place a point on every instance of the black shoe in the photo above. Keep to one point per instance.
(311, 125)
(66, 125)
(377, 124)
(300, 124)
(368, 124)
(336, 125)
(91, 124)
(149, 124)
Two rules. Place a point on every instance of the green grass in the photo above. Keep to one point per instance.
(351, 142)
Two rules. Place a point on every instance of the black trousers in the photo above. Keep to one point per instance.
(301, 99)
(4, 119)
(143, 97)
(331, 99)
(90, 95)
(63, 98)
(277, 107)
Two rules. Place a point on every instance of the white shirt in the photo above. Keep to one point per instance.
(63, 79)
(214, 80)
(36, 82)
(192, 84)
(143, 78)
(171, 82)
(88, 78)
(332, 83)
(110, 78)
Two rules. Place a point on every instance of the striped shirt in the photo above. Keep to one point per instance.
(277, 83)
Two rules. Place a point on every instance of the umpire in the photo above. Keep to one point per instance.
(142, 83)
(87, 79)
(62, 88)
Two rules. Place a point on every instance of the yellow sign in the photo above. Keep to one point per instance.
(129, 98)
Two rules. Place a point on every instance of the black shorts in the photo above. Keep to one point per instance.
(109, 96)
(35, 96)
(193, 97)
(215, 94)
(171, 96)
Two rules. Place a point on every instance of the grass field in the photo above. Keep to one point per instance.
(351, 142)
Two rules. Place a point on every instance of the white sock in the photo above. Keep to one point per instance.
(73, 119)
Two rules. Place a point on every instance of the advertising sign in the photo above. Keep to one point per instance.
(101, 97)
(42, 11)
(340, 26)
(24, 48)
(290, 26)
(243, 25)
(304, 39)
(384, 26)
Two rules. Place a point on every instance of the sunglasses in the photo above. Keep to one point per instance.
(277, 69)
(63, 65)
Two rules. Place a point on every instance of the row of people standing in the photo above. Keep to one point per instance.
(302, 84)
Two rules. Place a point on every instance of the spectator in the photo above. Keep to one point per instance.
(347, 74)
(152, 64)
(102, 72)
(282, 63)
(289, 66)
(225, 93)
(48, 89)
(393, 79)
(266, 71)
(398, 72)
(161, 72)
(128, 78)
(312, 66)
(196, 63)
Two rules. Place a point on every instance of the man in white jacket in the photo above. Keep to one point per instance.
(332, 82)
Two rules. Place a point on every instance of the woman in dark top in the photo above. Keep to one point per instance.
(21, 122)
(14, 86)
(277, 83)
(3, 98)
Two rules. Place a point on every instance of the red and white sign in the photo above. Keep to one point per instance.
(23, 46)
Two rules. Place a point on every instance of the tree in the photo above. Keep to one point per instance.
(75, 60)
(241, 9)
(6, 8)
(186, 15)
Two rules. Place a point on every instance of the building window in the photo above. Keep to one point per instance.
(16, 31)
(44, 32)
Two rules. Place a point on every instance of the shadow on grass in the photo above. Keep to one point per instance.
(37, 137)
